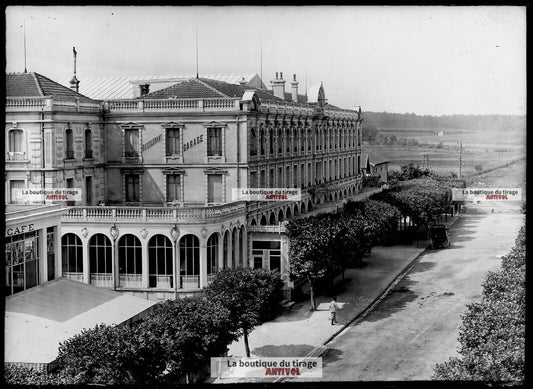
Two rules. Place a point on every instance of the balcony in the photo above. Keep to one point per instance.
(17, 104)
(185, 215)
(174, 105)
(16, 156)
(88, 154)
(279, 229)
(69, 154)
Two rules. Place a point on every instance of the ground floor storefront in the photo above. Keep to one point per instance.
(31, 242)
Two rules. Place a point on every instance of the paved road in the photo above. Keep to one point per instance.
(417, 325)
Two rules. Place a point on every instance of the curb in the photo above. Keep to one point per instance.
(320, 350)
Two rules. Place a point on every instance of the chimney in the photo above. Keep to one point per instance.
(278, 86)
(294, 85)
(243, 82)
(145, 89)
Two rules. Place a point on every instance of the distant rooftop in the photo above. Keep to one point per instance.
(374, 158)
(127, 87)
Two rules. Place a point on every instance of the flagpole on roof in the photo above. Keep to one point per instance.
(75, 54)
(197, 52)
(25, 69)
(261, 59)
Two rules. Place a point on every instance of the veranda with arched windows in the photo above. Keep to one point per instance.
(152, 261)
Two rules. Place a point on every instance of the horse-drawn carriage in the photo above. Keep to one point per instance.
(438, 235)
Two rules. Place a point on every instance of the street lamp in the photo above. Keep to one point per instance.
(113, 231)
(174, 234)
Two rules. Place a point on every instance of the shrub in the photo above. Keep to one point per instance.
(111, 355)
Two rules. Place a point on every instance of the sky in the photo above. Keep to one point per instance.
(427, 60)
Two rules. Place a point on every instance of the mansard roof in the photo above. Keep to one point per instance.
(34, 84)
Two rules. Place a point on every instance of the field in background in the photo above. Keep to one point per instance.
(489, 149)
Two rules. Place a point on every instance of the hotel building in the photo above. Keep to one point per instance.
(157, 169)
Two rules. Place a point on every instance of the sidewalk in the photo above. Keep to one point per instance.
(299, 332)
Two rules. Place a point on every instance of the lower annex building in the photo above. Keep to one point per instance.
(157, 218)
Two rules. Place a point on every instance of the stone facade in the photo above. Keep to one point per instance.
(163, 170)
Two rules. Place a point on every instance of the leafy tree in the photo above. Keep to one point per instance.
(310, 254)
(381, 219)
(249, 295)
(111, 355)
(189, 332)
(492, 335)
(356, 239)
(411, 171)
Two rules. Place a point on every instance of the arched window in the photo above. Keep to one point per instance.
(69, 144)
(262, 141)
(272, 219)
(253, 222)
(280, 215)
(88, 143)
(160, 272)
(100, 260)
(190, 262)
(288, 213)
(212, 256)
(72, 254)
(295, 141)
(263, 221)
(130, 261)
(253, 143)
(225, 246)
(15, 140)
(234, 244)
(271, 141)
(280, 142)
(242, 263)
(288, 141)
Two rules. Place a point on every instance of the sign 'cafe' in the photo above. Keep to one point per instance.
(31, 236)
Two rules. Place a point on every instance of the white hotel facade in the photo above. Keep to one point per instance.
(157, 171)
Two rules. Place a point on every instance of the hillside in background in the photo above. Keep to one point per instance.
(476, 143)
(385, 120)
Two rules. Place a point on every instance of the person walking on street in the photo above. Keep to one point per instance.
(333, 308)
